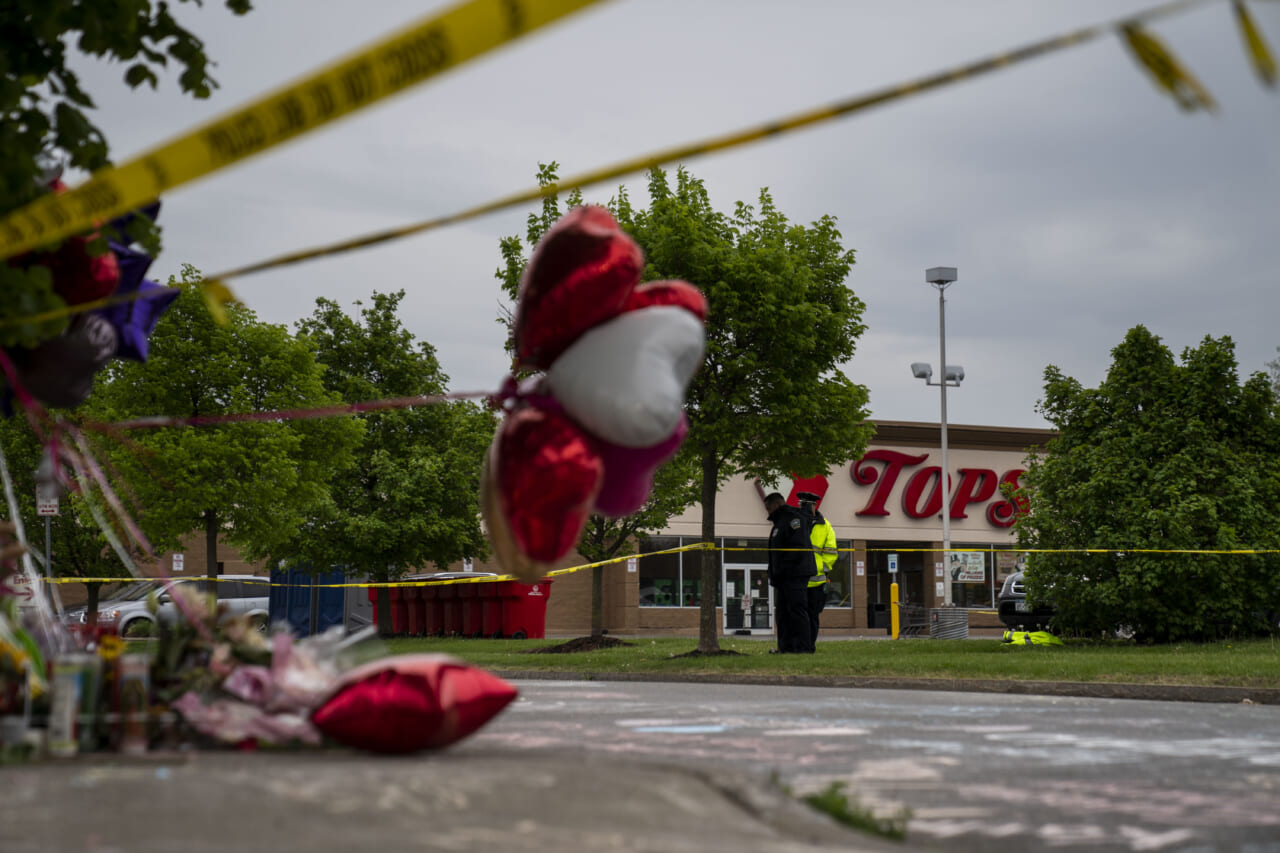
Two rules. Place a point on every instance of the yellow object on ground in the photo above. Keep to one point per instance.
(1031, 638)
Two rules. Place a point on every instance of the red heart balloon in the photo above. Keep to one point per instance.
(681, 294)
(546, 475)
(407, 703)
(581, 274)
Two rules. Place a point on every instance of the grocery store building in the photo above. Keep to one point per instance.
(885, 508)
(886, 511)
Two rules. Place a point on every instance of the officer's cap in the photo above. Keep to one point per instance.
(808, 497)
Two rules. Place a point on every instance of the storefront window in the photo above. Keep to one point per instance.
(840, 578)
(660, 573)
(691, 567)
(671, 580)
(752, 551)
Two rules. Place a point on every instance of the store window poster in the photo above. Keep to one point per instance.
(969, 567)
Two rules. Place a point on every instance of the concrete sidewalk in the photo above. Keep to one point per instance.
(464, 799)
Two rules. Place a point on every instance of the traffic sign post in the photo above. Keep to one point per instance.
(47, 492)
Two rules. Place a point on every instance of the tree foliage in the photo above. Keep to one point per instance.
(412, 496)
(43, 103)
(1161, 457)
(256, 483)
(45, 108)
(770, 399)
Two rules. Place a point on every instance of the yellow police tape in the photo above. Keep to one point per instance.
(259, 126)
(755, 133)
(696, 546)
(415, 54)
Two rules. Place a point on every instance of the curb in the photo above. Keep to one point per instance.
(1084, 689)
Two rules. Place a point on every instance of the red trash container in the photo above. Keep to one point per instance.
(451, 607)
(491, 605)
(414, 606)
(524, 608)
(433, 611)
(399, 610)
(472, 607)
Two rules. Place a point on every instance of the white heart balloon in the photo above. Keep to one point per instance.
(624, 380)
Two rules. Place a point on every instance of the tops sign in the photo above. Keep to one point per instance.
(922, 498)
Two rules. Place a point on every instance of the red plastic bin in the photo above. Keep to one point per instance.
(450, 605)
(399, 611)
(471, 606)
(453, 608)
(414, 607)
(524, 608)
(433, 611)
(491, 606)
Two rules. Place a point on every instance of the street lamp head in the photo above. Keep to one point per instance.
(921, 370)
(940, 275)
(955, 373)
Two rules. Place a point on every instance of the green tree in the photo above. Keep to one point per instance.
(770, 398)
(1161, 457)
(44, 107)
(412, 496)
(253, 483)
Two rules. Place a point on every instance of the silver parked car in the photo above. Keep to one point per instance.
(237, 594)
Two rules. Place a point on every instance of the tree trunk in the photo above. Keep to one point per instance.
(91, 606)
(708, 631)
(211, 549)
(597, 602)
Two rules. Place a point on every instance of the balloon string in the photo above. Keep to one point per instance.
(48, 623)
(31, 409)
(80, 463)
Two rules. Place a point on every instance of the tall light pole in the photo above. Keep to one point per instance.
(941, 277)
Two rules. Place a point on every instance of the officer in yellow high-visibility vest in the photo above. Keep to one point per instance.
(823, 537)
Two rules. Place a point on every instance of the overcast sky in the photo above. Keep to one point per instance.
(1075, 199)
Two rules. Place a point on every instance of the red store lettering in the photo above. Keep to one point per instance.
(977, 486)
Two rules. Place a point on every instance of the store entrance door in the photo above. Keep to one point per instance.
(748, 600)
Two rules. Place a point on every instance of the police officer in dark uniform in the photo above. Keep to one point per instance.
(791, 564)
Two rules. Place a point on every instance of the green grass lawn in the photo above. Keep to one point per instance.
(1251, 663)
